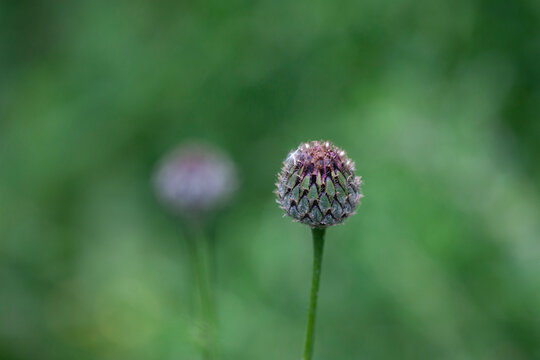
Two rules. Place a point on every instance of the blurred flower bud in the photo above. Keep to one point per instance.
(194, 180)
(317, 185)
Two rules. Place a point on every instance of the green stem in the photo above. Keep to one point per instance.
(201, 270)
(318, 247)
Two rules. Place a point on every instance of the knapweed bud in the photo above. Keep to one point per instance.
(194, 180)
(317, 185)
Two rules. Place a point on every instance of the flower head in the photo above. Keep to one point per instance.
(194, 180)
(317, 185)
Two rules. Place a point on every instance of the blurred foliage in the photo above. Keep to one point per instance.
(437, 101)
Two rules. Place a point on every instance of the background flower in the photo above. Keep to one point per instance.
(194, 180)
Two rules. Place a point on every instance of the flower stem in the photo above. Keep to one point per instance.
(318, 247)
(200, 254)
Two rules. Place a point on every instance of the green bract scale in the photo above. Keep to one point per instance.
(317, 185)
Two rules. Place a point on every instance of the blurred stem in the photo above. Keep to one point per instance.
(318, 247)
(200, 255)
(212, 229)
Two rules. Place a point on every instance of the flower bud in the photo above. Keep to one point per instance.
(317, 185)
(193, 180)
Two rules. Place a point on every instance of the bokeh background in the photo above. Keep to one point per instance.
(437, 101)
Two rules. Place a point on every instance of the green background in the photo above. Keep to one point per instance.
(437, 101)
